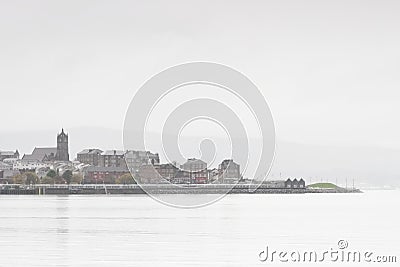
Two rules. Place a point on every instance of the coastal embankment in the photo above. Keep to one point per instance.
(92, 189)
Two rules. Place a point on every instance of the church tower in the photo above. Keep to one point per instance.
(62, 147)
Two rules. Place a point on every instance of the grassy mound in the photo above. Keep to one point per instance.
(324, 186)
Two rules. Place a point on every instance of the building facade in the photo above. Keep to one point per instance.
(62, 153)
(167, 171)
(197, 171)
(108, 175)
(28, 165)
(112, 158)
(229, 171)
(148, 174)
(135, 159)
(5, 166)
(182, 177)
(91, 156)
(9, 154)
(295, 183)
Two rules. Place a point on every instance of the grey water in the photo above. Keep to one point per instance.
(135, 230)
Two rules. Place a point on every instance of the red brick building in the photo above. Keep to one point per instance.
(196, 170)
(108, 175)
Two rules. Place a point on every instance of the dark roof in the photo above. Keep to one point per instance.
(39, 153)
(90, 151)
(85, 151)
(44, 150)
(62, 133)
(31, 157)
(228, 161)
(105, 169)
(194, 161)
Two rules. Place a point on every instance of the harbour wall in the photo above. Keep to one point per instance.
(157, 189)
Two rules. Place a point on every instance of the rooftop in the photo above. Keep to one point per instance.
(39, 153)
(114, 152)
(90, 151)
(7, 153)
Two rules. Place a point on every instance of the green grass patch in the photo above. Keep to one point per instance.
(324, 185)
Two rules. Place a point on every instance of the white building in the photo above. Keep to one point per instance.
(5, 166)
(28, 165)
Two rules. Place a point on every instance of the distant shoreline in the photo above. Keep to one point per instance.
(112, 189)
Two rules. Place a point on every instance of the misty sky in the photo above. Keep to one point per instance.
(328, 69)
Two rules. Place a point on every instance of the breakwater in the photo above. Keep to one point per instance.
(158, 189)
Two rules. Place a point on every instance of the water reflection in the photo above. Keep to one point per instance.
(137, 231)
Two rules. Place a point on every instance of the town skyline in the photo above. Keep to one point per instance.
(315, 163)
(95, 165)
(63, 138)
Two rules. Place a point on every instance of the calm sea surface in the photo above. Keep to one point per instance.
(138, 231)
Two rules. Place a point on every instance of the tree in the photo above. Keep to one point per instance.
(77, 179)
(51, 174)
(19, 179)
(59, 180)
(125, 179)
(47, 180)
(109, 179)
(67, 176)
(31, 178)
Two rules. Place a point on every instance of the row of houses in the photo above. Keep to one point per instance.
(145, 166)
(289, 183)
(148, 170)
(117, 158)
(295, 183)
(9, 170)
(99, 166)
(193, 171)
(9, 155)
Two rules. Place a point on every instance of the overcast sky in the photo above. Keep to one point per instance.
(328, 69)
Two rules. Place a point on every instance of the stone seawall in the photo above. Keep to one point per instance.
(157, 189)
(135, 189)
